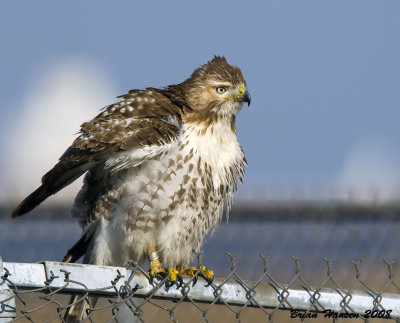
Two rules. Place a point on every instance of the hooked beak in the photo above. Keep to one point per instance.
(245, 97)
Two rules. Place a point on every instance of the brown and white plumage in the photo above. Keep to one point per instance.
(161, 166)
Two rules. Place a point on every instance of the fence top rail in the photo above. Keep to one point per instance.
(115, 281)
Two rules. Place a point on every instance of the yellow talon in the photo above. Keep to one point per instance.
(207, 272)
(156, 267)
(189, 271)
(173, 274)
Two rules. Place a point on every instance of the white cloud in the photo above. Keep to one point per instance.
(67, 93)
(370, 173)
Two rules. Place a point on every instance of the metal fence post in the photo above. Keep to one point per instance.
(7, 299)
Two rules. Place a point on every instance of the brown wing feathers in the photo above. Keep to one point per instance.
(141, 119)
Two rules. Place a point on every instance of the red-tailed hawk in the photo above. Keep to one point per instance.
(161, 165)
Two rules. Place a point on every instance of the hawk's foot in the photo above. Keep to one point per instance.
(157, 270)
(207, 274)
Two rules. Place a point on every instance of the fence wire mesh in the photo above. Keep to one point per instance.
(42, 292)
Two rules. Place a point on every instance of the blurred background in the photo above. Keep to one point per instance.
(321, 135)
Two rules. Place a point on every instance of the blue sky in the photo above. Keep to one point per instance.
(324, 78)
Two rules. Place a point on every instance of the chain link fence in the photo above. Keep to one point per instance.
(41, 292)
(320, 284)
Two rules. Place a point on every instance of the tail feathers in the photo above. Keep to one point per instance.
(31, 201)
(55, 180)
(79, 248)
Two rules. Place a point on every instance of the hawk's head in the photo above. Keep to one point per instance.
(216, 89)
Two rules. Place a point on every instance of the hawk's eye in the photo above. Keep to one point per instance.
(221, 89)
